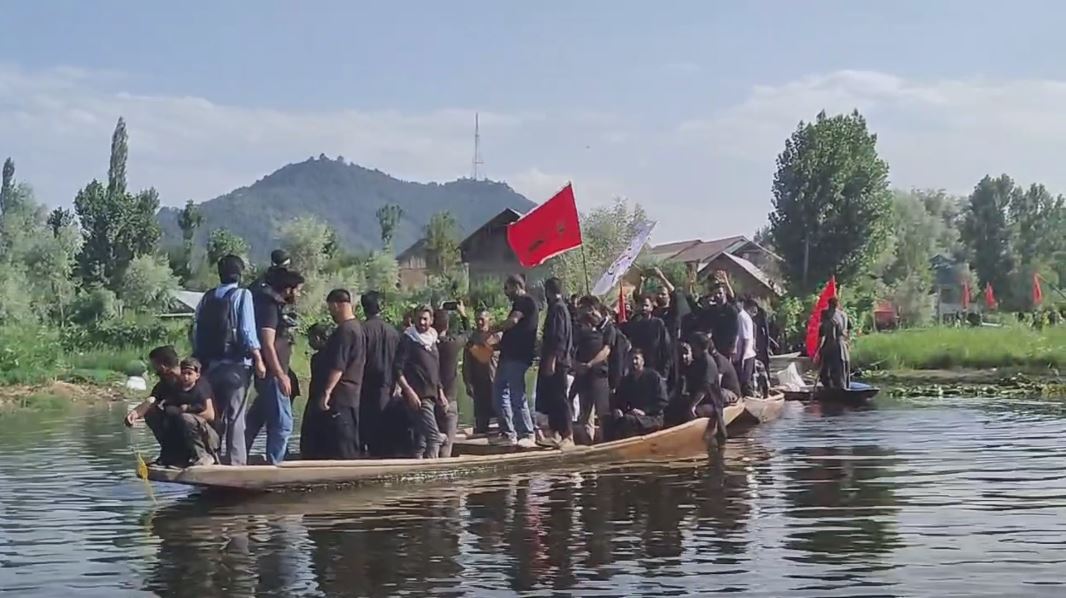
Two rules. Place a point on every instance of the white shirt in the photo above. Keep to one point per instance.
(746, 334)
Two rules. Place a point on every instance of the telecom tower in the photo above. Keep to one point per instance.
(477, 147)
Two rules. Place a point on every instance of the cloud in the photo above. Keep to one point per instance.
(701, 175)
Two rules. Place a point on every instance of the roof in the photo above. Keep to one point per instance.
(504, 218)
(188, 299)
(415, 248)
(668, 250)
(708, 250)
(748, 267)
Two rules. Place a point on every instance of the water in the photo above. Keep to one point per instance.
(915, 498)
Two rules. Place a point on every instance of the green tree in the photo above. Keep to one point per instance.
(605, 233)
(831, 202)
(60, 219)
(189, 220)
(7, 186)
(986, 231)
(117, 226)
(307, 240)
(381, 272)
(146, 284)
(442, 245)
(388, 217)
(221, 243)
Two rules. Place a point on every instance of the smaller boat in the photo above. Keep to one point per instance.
(857, 392)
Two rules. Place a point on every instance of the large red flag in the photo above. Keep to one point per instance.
(1038, 293)
(623, 316)
(815, 322)
(550, 229)
(965, 295)
(990, 297)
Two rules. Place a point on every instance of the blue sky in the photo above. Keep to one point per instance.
(681, 106)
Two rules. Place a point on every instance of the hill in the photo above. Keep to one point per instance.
(347, 197)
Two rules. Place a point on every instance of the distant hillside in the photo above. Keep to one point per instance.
(346, 196)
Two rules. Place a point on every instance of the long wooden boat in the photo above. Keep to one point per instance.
(685, 440)
(856, 393)
(760, 411)
(482, 446)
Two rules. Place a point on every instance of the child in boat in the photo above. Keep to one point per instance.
(315, 426)
(180, 412)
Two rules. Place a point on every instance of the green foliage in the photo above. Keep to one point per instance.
(222, 243)
(147, 283)
(307, 239)
(986, 231)
(831, 202)
(388, 217)
(605, 232)
(442, 245)
(381, 271)
(140, 332)
(7, 184)
(945, 348)
(29, 351)
(93, 304)
(189, 220)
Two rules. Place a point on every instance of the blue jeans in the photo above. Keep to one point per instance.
(274, 409)
(229, 383)
(510, 393)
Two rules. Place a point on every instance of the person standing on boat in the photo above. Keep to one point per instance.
(383, 420)
(592, 354)
(273, 407)
(517, 349)
(226, 341)
(640, 401)
(673, 308)
(834, 361)
(450, 343)
(480, 359)
(744, 357)
(345, 357)
(418, 376)
(315, 425)
(556, 346)
(650, 334)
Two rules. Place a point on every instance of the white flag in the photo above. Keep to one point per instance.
(615, 272)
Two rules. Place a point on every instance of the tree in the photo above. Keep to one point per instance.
(986, 231)
(222, 242)
(189, 220)
(60, 219)
(7, 186)
(605, 233)
(146, 283)
(307, 240)
(442, 244)
(831, 202)
(117, 226)
(388, 217)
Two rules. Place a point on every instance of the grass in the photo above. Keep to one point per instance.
(956, 348)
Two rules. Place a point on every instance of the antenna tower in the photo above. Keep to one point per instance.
(477, 147)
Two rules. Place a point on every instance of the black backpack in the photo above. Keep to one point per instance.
(216, 332)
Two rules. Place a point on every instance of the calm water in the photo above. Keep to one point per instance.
(916, 498)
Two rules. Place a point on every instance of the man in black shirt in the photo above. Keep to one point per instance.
(517, 347)
(383, 422)
(179, 411)
(555, 348)
(450, 344)
(418, 375)
(672, 307)
(703, 386)
(346, 358)
(641, 399)
(480, 360)
(720, 319)
(272, 406)
(649, 334)
(592, 353)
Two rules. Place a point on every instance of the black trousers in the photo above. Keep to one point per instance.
(373, 421)
(552, 400)
(343, 442)
(630, 425)
(395, 430)
(481, 395)
(447, 426)
(427, 432)
(183, 438)
(316, 428)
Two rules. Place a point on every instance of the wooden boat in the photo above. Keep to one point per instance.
(857, 393)
(759, 411)
(481, 446)
(685, 440)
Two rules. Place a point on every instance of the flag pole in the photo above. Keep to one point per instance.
(585, 264)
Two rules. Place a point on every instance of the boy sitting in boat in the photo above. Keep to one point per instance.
(179, 411)
(640, 400)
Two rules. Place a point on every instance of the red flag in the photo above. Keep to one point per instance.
(1038, 293)
(965, 295)
(622, 315)
(990, 297)
(815, 322)
(550, 229)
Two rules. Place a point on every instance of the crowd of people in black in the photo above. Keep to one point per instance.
(378, 390)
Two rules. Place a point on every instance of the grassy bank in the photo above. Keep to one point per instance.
(952, 348)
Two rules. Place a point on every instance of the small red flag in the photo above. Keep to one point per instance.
(622, 315)
(815, 322)
(990, 297)
(1038, 293)
(965, 295)
(550, 229)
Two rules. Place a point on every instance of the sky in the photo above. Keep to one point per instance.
(680, 106)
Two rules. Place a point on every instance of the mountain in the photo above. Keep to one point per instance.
(347, 197)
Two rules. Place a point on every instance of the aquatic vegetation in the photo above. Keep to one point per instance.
(952, 348)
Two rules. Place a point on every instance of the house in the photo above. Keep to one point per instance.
(181, 304)
(413, 270)
(486, 251)
(753, 269)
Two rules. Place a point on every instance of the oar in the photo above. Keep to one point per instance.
(142, 469)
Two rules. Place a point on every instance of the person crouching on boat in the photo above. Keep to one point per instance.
(640, 400)
(418, 376)
(703, 386)
(179, 411)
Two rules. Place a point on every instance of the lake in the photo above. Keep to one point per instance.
(916, 497)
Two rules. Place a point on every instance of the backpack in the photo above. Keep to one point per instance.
(216, 332)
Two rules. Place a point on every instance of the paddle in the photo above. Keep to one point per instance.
(142, 468)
